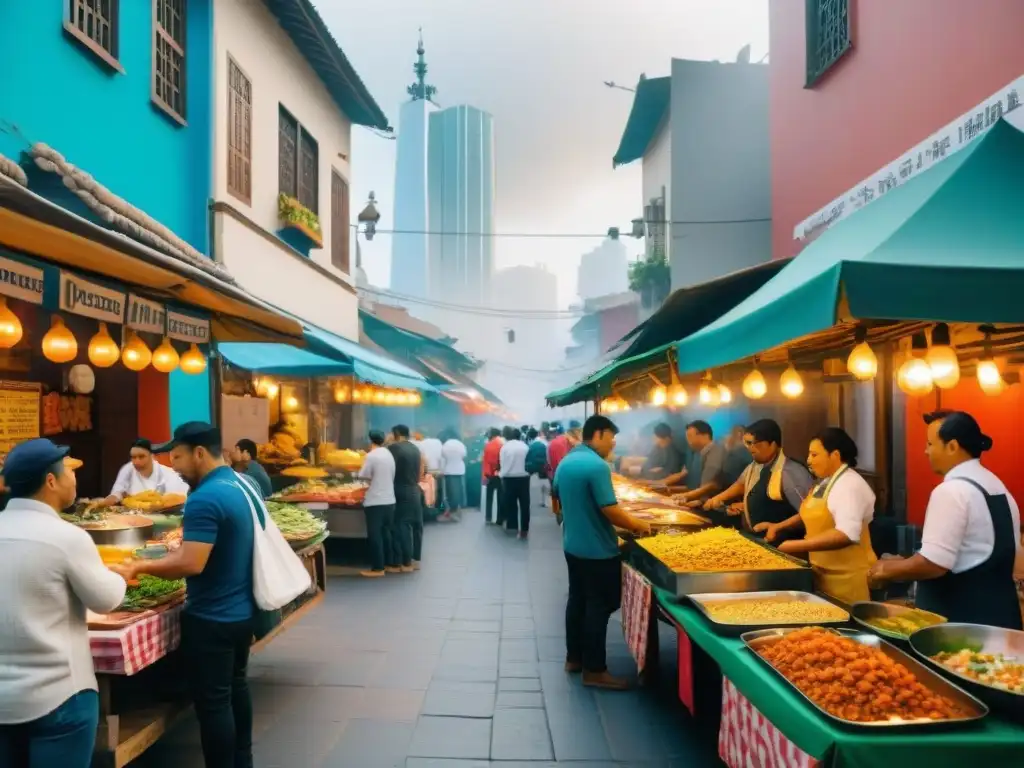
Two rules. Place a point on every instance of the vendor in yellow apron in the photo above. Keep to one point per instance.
(841, 573)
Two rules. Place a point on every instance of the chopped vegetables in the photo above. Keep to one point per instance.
(295, 523)
(994, 669)
(150, 591)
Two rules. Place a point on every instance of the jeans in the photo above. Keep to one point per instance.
(408, 528)
(216, 655)
(454, 492)
(517, 493)
(380, 520)
(492, 496)
(64, 737)
(595, 593)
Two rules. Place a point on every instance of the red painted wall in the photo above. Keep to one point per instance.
(915, 66)
(154, 407)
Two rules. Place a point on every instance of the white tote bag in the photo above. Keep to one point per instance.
(278, 575)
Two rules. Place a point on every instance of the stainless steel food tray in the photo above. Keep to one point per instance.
(682, 584)
(981, 639)
(870, 609)
(675, 517)
(736, 630)
(974, 708)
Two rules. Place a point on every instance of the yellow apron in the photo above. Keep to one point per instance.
(841, 573)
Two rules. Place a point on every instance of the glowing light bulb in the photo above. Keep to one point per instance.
(724, 394)
(10, 326)
(659, 396)
(677, 396)
(704, 394)
(193, 361)
(915, 377)
(790, 383)
(944, 366)
(862, 363)
(103, 351)
(989, 378)
(165, 357)
(59, 344)
(754, 385)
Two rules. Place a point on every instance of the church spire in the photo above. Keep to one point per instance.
(420, 89)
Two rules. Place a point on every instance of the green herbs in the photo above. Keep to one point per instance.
(291, 211)
(150, 592)
(294, 522)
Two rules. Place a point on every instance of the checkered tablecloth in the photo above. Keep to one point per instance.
(636, 613)
(132, 648)
(747, 739)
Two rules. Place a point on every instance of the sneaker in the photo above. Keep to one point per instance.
(415, 565)
(605, 680)
(573, 667)
(371, 574)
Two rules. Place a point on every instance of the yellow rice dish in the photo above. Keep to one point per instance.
(774, 610)
(713, 550)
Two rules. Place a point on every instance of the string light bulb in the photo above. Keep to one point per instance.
(136, 356)
(165, 357)
(754, 386)
(103, 351)
(990, 378)
(10, 326)
(915, 375)
(291, 403)
(341, 393)
(942, 360)
(724, 394)
(706, 392)
(193, 361)
(862, 362)
(59, 344)
(677, 396)
(790, 383)
(658, 395)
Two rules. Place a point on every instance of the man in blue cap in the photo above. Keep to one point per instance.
(215, 559)
(50, 573)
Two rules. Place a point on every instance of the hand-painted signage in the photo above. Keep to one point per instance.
(145, 315)
(21, 281)
(83, 297)
(187, 328)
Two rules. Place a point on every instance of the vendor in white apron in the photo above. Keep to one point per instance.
(835, 516)
(971, 536)
(144, 473)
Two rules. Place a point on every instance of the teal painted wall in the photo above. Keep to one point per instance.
(55, 91)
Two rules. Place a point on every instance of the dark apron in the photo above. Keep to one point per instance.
(984, 594)
(762, 508)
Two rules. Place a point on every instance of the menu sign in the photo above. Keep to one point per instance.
(187, 328)
(21, 281)
(146, 315)
(89, 299)
(19, 413)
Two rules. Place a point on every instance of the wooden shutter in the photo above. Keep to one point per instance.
(309, 175)
(287, 152)
(339, 223)
(239, 133)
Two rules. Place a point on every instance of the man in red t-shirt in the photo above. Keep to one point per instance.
(557, 450)
(492, 483)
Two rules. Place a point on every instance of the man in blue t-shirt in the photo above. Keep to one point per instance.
(215, 559)
(590, 512)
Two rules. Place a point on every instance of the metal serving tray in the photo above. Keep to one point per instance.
(671, 517)
(869, 609)
(682, 584)
(736, 630)
(974, 708)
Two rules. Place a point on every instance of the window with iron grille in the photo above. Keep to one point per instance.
(828, 35)
(169, 57)
(339, 222)
(94, 23)
(239, 133)
(298, 162)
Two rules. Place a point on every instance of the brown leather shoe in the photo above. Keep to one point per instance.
(573, 667)
(605, 680)
(371, 574)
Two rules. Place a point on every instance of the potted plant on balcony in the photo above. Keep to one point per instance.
(297, 217)
(651, 278)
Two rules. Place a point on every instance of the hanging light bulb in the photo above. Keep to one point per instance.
(790, 383)
(291, 403)
(103, 351)
(416, 398)
(724, 394)
(10, 326)
(390, 398)
(59, 344)
(862, 363)
(989, 378)
(658, 396)
(341, 393)
(271, 389)
(624, 404)
(942, 359)
(379, 396)
(609, 405)
(707, 391)
(165, 357)
(677, 396)
(915, 376)
(135, 355)
(754, 386)
(193, 361)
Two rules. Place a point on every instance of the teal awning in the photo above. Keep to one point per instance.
(281, 360)
(365, 364)
(944, 246)
(650, 104)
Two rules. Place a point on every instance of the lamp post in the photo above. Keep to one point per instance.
(369, 217)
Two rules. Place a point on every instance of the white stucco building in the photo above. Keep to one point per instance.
(286, 98)
(702, 136)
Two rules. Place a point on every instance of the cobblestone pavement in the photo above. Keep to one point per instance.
(456, 666)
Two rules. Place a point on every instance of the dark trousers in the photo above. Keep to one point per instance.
(517, 503)
(408, 527)
(64, 737)
(493, 500)
(216, 656)
(595, 593)
(380, 520)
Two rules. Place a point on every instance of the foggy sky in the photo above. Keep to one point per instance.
(538, 67)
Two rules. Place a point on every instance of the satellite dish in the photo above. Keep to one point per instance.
(743, 57)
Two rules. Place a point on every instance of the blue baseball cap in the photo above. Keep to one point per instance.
(27, 463)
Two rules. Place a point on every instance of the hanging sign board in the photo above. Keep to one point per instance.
(188, 328)
(145, 315)
(82, 297)
(954, 137)
(21, 281)
(19, 413)
(244, 417)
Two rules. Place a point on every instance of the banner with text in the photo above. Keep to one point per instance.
(146, 315)
(187, 328)
(82, 297)
(21, 281)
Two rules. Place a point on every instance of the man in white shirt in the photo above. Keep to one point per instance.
(515, 482)
(379, 506)
(453, 466)
(50, 573)
(430, 447)
(144, 473)
(971, 536)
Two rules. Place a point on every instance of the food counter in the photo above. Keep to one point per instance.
(337, 500)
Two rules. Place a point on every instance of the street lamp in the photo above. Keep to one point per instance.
(369, 217)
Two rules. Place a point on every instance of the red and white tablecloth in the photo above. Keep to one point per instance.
(636, 613)
(130, 649)
(747, 739)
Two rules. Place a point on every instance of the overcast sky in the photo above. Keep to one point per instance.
(538, 67)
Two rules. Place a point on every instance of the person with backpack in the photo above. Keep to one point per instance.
(537, 462)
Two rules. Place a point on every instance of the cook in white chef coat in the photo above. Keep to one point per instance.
(144, 473)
